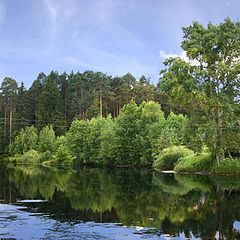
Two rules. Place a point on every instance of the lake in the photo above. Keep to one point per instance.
(94, 203)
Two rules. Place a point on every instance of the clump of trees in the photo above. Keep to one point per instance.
(134, 138)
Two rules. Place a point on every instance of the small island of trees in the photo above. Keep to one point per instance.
(188, 122)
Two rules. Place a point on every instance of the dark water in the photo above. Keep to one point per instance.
(54, 203)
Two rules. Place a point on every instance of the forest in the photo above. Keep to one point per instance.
(189, 121)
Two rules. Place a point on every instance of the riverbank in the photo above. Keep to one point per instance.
(228, 167)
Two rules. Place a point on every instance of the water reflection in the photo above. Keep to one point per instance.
(187, 206)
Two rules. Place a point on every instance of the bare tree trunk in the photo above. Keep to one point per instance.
(5, 124)
(106, 110)
(65, 104)
(114, 113)
(220, 132)
(11, 112)
(100, 101)
(217, 158)
(220, 155)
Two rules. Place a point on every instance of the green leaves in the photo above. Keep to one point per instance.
(47, 140)
(209, 88)
(25, 141)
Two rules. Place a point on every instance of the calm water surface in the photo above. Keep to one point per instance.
(91, 203)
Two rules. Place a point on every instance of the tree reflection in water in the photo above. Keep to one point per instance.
(200, 206)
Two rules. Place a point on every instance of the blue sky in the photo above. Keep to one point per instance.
(112, 36)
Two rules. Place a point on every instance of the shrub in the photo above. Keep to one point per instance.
(228, 166)
(26, 140)
(47, 140)
(63, 156)
(32, 156)
(168, 157)
(195, 163)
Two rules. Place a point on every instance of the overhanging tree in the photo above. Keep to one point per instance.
(208, 85)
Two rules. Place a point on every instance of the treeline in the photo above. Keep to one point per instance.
(134, 138)
(57, 99)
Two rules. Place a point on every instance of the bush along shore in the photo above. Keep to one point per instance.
(183, 160)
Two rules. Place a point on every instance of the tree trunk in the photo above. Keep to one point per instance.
(5, 124)
(100, 101)
(106, 110)
(65, 104)
(217, 158)
(11, 112)
(220, 155)
(114, 113)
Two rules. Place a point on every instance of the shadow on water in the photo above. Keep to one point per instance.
(205, 207)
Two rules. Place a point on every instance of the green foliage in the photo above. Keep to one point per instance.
(134, 138)
(174, 130)
(195, 163)
(62, 155)
(107, 151)
(150, 124)
(228, 166)
(25, 141)
(84, 139)
(47, 140)
(50, 105)
(207, 87)
(171, 131)
(31, 156)
(127, 129)
(76, 139)
(168, 157)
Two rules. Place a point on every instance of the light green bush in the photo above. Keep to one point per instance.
(32, 156)
(168, 157)
(195, 163)
(63, 155)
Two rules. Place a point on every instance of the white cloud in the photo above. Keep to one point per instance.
(182, 55)
(59, 12)
(165, 55)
